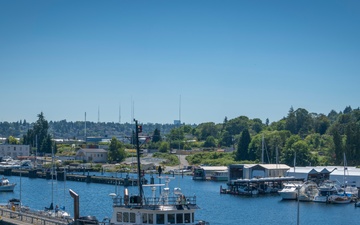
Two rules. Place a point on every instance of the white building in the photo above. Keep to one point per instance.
(348, 176)
(14, 150)
(95, 155)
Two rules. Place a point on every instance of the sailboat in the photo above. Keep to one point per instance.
(51, 210)
(171, 207)
(341, 197)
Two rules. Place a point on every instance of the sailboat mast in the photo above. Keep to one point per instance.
(52, 174)
(138, 128)
(262, 149)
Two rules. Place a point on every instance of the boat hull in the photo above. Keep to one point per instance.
(288, 195)
(7, 188)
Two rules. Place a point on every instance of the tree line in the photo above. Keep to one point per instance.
(310, 138)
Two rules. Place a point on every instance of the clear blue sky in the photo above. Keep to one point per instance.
(224, 58)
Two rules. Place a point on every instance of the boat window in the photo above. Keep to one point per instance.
(171, 218)
(179, 218)
(119, 216)
(126, 217)
(160, 219)
(192, 217)
(151, 218)
(187, 217)
(132, 217)
(145, 217)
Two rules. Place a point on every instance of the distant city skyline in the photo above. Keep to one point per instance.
(119, 60)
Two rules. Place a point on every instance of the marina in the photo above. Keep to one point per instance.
(217, 208)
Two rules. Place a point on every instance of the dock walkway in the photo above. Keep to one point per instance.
(60, 175)
(9, 216)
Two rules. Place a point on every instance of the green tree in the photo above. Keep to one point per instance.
(156, 136)
(226, 139)
(12, 141)
(242, 152)
(116, 151)
(38, 136)
(164, 147)
(210, 142)
(303, 156)
(338, 145)
(321, 124)
(291, 121)
(237, 125)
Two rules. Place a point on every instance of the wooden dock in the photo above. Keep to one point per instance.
(84, 177)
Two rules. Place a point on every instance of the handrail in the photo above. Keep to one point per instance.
(31, 218)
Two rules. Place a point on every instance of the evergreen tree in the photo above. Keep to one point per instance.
(242, 152)
(116, 151)
(156, 136)
(338, 146)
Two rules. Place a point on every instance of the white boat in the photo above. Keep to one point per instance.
(289, 191)
(342, 197)
(308, 191)
(326, 189)
(6, 186)
(58, 212)
(221, 175)
(171, 207)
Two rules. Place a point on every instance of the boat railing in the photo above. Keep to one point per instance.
(177, 200)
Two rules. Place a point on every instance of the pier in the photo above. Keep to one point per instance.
(84, 177)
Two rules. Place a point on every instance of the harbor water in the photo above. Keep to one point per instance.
(218, 209)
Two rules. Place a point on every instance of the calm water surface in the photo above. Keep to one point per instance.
(216, 208)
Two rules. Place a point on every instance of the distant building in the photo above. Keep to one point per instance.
(249, 171)
(177, 122)
(344, 176)
(95, 155)
(14, 151)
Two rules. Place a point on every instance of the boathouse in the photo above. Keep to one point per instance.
(249, 171)
(205, 172)
(348, 176)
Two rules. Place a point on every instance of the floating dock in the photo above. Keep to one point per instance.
(60, 175)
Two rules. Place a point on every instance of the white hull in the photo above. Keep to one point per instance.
(289, 192)
(6, 186)
(288, 195)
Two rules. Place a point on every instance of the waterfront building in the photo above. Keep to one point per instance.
(14, 151)
(205, 172)
(95, 155)
(249, 171)
(349, 175)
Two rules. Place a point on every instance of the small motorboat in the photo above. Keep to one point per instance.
(6, 186)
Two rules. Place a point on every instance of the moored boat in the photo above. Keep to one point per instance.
(308, 191)
(222, 175)
(326, 189)
(289, 191)
(6, 186)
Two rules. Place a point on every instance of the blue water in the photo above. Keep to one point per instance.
(218, 209)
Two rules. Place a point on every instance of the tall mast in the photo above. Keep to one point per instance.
(262, 149)
(85, 127)
(137, 130)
